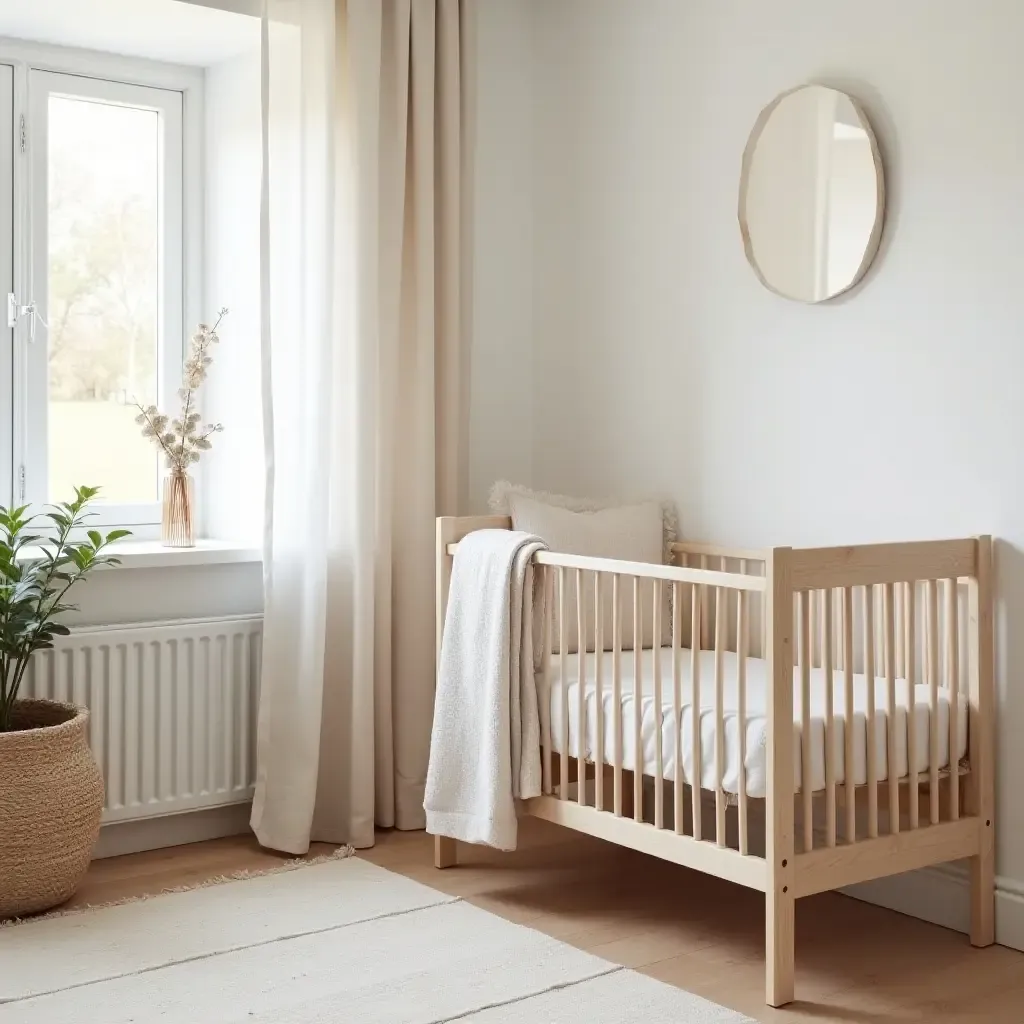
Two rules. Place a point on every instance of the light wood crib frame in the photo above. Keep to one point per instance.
(918, 611)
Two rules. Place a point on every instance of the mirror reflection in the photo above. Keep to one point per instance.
(812, 194)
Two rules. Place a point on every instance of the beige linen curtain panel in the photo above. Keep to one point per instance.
(365, 299)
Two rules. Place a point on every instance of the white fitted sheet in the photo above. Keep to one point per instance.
(756, 720)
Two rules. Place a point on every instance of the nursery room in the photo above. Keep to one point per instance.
(507, 511)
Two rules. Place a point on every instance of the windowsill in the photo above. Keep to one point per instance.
(151, 554)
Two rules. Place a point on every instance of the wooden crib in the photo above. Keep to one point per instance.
(825, 650)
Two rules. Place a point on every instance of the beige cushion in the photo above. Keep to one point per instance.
(502, 492)
(632, 533)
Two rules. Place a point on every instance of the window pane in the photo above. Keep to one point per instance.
(104, 243)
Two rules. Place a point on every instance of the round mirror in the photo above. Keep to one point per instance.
(812, 194)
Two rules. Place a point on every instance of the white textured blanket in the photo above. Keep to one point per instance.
(485, 744)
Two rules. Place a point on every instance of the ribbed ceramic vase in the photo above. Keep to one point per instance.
(51, 798)
(177, 526)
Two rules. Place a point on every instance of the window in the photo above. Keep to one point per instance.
(92, 181)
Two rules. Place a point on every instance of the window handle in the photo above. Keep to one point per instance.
(15, 312)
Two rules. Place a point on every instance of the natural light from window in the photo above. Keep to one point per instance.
(104, 167)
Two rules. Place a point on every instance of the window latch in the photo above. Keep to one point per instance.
(15, 312)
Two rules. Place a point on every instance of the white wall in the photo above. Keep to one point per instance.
(233, 473)
(502, 323)
(661, 365)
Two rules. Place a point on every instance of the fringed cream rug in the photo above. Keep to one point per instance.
(341, 941)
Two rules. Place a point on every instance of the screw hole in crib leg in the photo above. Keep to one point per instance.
(988, 824)
(785, 862)
(785, 888)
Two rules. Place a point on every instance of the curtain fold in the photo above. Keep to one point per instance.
(365, 370)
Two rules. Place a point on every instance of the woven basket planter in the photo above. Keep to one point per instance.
(51, 797)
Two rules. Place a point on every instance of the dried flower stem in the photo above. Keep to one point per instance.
(184, 442)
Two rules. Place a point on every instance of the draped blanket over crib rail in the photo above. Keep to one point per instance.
(485, 742)
(802, 720)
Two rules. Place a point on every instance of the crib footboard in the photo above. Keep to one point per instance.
(794, 720)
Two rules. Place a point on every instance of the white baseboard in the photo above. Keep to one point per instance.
(941, 895)
(123, 837)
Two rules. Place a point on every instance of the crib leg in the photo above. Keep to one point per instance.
(779, 948)
(445, 852)
(983, 899)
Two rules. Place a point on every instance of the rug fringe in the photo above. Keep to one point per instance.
(341, 853)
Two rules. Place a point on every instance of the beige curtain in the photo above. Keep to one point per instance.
(347, 682)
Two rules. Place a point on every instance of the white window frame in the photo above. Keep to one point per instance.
(6, 285)
(39, 70)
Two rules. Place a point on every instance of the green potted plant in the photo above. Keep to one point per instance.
(51, 790)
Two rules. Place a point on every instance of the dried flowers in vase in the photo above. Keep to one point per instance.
(183, 440)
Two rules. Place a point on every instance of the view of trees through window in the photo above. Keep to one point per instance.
(103, 310)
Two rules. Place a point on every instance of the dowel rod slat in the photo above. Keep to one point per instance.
(659, 760)
(638, 761)
(742, 651)
(599, 694)
(617, 696)
(953, 687)
(563, 676)
(806, 773)
(932, 652)
(910, 665)
(813, 629)
(851, 781)
(705, 610)
(721, 628)
(830, 726)
(547, 581)
(869, 678)
(900, 631)
(892, 768)
(696, 628)
(677, 714)
(581, 690)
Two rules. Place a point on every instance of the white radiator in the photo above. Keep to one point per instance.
(173, 705)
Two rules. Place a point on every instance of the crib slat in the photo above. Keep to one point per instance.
(617, 696)
(721, 628)
(599, 694)
(696, 628)
(581, 690)
(869, 677)
(892, 768)
(705, 616)
(900, 631)
(851, 782)
(932, 668)
(677, 717)
(659, 760)
(814, 662)
(638, 759)
(806, 598)
(742, 650)
(830, 726)
(547, 581)
(563, 677)
(910, 665)
(953, 685)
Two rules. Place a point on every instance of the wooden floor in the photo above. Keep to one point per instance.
(856, 963)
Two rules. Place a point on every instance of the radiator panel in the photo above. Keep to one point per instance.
(173, 722)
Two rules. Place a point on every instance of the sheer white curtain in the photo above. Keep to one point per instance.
(364, 283)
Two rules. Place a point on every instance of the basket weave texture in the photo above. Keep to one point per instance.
(51, 798)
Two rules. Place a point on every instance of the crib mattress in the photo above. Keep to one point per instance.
(755, 753)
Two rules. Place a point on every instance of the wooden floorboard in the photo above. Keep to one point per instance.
(856, 963)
